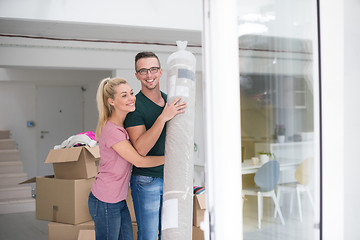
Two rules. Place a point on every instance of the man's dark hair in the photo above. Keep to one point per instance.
(145, 55)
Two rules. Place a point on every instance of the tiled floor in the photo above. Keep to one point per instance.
(272, 229)
(25, 226)
(22, 226)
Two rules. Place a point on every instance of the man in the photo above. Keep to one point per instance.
(146, 129)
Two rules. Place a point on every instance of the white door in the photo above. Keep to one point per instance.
(60, 115)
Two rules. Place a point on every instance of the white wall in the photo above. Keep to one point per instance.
(155, 13)
(351, 119)
(73, 65)
(29, 62)
(332, 76)
(341, 117)
(18, 104)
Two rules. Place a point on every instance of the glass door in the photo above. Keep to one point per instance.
(279, 118)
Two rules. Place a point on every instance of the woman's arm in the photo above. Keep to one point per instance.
(127, 151)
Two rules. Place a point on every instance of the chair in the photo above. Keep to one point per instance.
(303, 176)
(266, 179)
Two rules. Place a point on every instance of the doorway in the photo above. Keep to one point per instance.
(60, 115)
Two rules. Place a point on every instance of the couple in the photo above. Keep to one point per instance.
(144, 127)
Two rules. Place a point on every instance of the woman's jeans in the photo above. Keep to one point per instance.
(112, 220)
(147, 198)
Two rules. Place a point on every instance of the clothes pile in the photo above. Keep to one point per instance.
(80, 139)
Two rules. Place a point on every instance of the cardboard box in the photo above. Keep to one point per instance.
(61, 231)
(130, 204)
(135, 229)
(197, 233)
(199, 208)
(62, 200)
(86, 235)
(75, 162)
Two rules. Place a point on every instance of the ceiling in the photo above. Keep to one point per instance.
(100, 32)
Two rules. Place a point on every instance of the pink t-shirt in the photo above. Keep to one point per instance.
(112, 181)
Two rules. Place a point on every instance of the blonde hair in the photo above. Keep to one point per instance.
(105, 91)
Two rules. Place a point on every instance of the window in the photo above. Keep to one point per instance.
(277, 79)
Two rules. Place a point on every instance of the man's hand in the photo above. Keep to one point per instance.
(173, 109)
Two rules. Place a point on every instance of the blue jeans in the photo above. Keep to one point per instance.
(147, 198)
(112, 220)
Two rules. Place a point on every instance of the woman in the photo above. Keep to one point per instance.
(107, 200)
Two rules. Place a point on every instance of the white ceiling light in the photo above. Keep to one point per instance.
(251, 28)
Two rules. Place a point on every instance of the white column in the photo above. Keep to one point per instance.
(221, 86)
(332, 88)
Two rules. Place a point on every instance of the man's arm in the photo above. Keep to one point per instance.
(144, 140)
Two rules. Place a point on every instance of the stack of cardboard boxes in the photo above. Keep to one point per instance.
(62, 199)
(199, 207)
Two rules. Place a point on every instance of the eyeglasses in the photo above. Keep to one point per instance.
(144, 71)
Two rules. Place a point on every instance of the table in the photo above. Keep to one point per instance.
(285, 164)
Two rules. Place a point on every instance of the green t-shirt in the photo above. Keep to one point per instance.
(146, 113)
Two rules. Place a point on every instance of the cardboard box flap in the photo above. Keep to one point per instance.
(63, 155)
(32, 180)
(94, 151)
(201, 199)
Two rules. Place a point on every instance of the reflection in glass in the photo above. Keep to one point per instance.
(277, 118)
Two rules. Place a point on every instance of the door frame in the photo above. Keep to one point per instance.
(81, 128)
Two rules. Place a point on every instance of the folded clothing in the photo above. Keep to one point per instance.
(77, 140)
(90, 134)
(198, 190)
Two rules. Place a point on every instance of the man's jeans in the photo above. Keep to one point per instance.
(147, 198)
(112, 220)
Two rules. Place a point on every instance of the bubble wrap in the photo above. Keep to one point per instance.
(179, 149)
